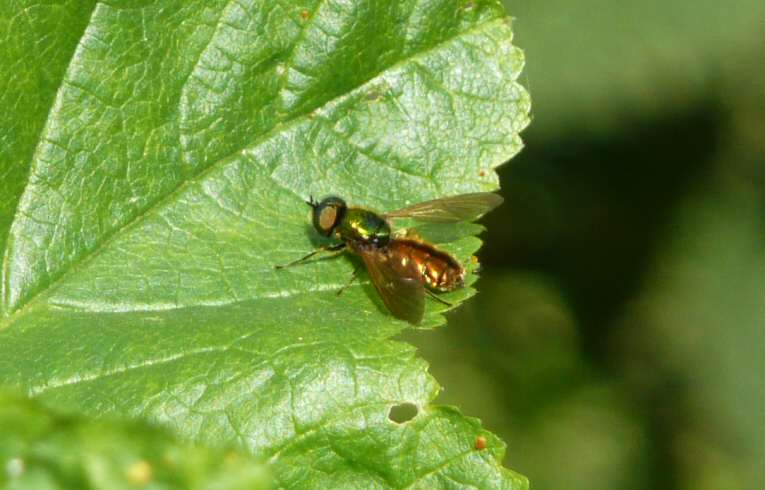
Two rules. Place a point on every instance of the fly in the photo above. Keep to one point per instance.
(402, 269)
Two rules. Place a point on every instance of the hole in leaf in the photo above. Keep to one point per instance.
(402, 413)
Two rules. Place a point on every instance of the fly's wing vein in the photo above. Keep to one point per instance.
(463, 207)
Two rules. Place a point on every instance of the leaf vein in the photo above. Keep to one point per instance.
(362, 151)
(41, 138)
(170, 197)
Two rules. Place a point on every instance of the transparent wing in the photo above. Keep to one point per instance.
(399, 284)
(464, 207)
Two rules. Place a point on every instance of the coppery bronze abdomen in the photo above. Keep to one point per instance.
(440, 271)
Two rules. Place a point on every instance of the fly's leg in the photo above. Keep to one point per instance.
(437, 298)
(333, 249)
(350, 281)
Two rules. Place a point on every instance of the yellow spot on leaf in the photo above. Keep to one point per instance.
(139, 473)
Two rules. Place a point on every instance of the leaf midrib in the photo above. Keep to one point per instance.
(294, 120)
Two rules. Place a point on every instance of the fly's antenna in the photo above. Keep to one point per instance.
(311, 202)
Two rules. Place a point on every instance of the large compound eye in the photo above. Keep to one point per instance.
(327, 218)
(327, 214)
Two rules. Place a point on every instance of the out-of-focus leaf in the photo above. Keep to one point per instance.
(697, 337)
(166, 177)
(596, 62)
(43, 450)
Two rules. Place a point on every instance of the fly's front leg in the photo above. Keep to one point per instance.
(332, 249)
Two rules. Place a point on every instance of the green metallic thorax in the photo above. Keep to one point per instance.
(362, 226)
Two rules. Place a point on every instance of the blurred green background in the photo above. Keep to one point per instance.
(618, 340)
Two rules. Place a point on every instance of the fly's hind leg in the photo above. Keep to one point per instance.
(350, 281)
(437, 298)
(332, 249)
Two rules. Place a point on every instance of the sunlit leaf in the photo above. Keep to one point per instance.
(157, 174)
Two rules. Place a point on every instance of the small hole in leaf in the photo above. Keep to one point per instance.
(402, 413)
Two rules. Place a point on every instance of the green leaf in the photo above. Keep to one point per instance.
(42, 450)
(166, 176)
